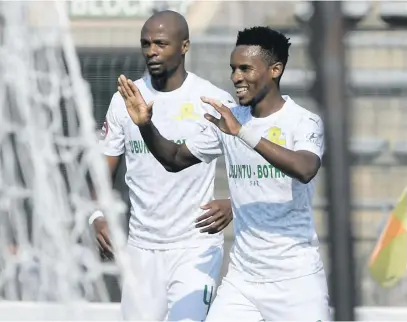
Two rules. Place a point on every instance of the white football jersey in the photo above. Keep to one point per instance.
(164, 205)
(275, 237)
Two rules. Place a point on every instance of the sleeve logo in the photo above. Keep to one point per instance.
(314, 138)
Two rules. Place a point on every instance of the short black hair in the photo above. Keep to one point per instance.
(274, 44)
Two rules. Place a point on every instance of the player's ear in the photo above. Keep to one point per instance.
(185, 46)
(276, 70)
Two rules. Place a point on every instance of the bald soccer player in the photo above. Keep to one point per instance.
(175, 239)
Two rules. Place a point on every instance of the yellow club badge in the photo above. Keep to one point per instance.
(276, 136)
(187, 112)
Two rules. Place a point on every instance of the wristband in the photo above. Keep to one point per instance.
(248, 137)
(95, 215)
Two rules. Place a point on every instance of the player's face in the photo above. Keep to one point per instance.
(250, 74)
(162, 51)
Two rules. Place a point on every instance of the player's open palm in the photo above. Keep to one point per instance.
(139, 111)
(227, 123)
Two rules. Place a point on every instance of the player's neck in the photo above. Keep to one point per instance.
(270, 104)
(169, 83)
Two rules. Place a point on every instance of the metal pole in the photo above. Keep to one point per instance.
(328, 52)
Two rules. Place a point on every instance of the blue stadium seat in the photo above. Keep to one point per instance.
(393, 13)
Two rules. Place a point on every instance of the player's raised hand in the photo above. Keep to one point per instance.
(227, 122)
(139, 111)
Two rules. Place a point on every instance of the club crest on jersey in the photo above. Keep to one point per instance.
(187, 112)
(104, 131)
(276, 136)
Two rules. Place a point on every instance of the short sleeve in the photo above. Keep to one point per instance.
(309, 135)
(206, 145)
(112, 135)
(224, 97)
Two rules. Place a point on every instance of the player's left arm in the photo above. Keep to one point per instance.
(304, 161)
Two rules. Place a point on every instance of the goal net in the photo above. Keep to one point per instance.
(48, 158)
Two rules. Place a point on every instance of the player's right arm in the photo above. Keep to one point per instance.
(174, 157)
(112, 144)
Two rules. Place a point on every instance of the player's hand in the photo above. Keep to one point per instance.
(102, 237)
(227, 122)
(217, 218)
(139, 111)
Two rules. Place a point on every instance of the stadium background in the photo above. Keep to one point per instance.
(107, 40)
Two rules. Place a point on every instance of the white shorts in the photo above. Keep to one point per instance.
(171, 285)
(302, 299)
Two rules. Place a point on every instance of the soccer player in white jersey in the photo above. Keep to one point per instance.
(273, 149)
(176, 247)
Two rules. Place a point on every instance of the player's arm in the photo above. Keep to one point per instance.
(113, 164)
(302, 163)
(112, 139)
(112, 144)
(174, 157)
(97, 219)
